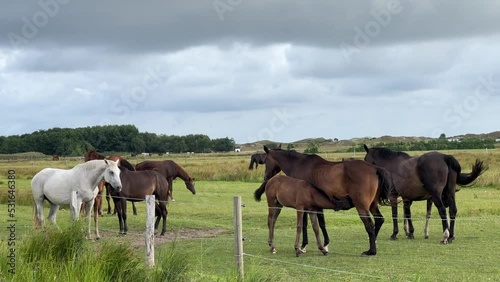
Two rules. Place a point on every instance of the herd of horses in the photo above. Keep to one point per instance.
(122, 181)
(310, 184)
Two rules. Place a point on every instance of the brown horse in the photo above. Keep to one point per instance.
(257, 159)
(282, 190)
(171, 171)
(357, 182)
(135, 186)
(432, 176)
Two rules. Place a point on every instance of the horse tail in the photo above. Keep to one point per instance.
(463, 179)
(258, 193)
(386, 187)
(36, 221)
(161, 190)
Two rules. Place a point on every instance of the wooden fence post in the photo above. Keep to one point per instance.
(238, 237)
(150, 226)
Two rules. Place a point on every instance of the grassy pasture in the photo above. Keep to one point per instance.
(472, 257)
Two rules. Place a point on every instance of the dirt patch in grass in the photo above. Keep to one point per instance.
(137, 239)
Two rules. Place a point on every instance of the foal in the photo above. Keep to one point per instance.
(282, 190)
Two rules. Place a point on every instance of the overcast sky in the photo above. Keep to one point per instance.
(252, 70)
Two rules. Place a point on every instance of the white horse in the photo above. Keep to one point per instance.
(57, 185)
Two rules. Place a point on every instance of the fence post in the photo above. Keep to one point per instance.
(238, 237)
(150, 226)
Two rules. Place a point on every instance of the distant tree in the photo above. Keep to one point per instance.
(442, 136)
(223, 144)
(312, 148)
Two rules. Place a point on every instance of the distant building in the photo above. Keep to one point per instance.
(453, 139)
(237, 149)
(497, 140)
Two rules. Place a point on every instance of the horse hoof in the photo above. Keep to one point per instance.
(326, 248)
(368, 253)
(302, 250)
(273, 250)
(393, 238)
(426, 237)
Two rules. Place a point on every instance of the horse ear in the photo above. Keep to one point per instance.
(366, 147)
(266, 149)
(106, 161)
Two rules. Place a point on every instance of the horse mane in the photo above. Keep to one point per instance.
(388, 154)
(292, 154)
(180, 171)
(126, 164)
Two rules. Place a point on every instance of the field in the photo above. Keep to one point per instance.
(200, 228)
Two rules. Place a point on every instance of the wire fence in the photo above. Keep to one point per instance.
(251, 239)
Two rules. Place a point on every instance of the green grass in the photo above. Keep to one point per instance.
(472, 257)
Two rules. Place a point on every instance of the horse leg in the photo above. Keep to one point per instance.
(453, 214)
(300, 220)
(364, 215)
(96, 216)
(171, 189)
(134, 208)
(322, 225)
(409, 230)
(428, 218)
(436, 198)
(89, 207)
(38, 205)
(52, 214)
(157, 218)
(378, 217)
(163, 209)
(124, 215)
(272, 217)
(394, 209)
(108, 198)
(305, 239)
(315, 226)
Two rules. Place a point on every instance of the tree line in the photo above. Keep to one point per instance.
(109, 138)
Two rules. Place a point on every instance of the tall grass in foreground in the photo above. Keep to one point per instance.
(67, 256)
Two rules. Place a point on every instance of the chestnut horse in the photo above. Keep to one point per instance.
(170, 170)
(357, 182)
(282, 190)
(257, 159)
(432, 176)
(135, 186)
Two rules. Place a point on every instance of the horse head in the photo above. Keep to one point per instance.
(190, 185)
(272, 166)
(112, 174)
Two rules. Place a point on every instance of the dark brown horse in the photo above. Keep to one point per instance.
(431, 176)
(357, 182)
(135, 186)
(257, 159)
(171, 171)
(94, 155)
(282, 190)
